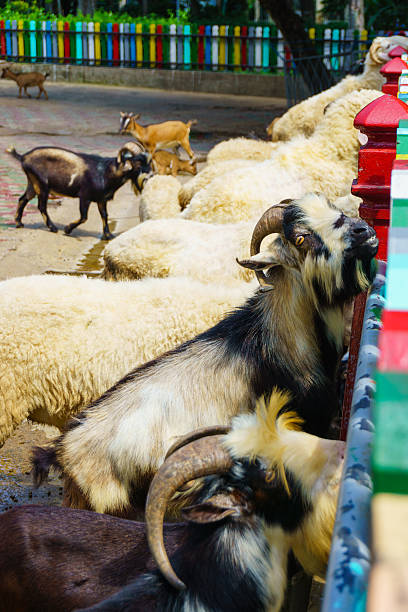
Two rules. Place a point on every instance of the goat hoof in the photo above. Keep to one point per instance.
(67, 230)
(107, 236)
(19, 224)
(53, 229)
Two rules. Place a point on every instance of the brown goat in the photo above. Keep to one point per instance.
(168, 134)
(165, 162)
(27, 79)
(56, 559)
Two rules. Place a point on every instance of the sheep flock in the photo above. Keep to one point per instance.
(206, 317)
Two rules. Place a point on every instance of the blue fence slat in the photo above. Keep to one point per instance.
(132, 45)
(335, 49)
(33, 42)
(349, 563)
(207, 49)
(265, 47)
(187, 47)
(7, 26)
(109, 43)
(48, 40)
(78, 42)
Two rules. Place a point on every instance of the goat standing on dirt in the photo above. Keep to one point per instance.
(27, 79)
(91, 178)
(158, 135)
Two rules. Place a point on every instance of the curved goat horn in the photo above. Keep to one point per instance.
(214, 430)
(135, 146)
(270, 223)
(199, 458)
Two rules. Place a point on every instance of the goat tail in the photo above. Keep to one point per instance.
(42, 460)
(11, 150)
(191, 122)
(47, 74)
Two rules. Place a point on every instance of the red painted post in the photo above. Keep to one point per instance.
(67, 49)
(115, 51)
(159, 46)
(378, 121)
(392, 71)
(201, 31)
(244, 59)
(2, 39)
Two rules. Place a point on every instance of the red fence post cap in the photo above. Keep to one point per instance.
(382, 114)
(397, 51)
(394, 67)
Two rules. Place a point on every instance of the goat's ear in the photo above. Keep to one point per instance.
(216, 508)
(260, 261)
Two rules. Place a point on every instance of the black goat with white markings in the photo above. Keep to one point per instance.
(288, 334)
(243, 521)
(91, 178)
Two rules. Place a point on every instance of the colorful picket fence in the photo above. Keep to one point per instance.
(199, 47)
(390, 459)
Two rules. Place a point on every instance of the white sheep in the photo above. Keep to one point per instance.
(325, 162)
(178, 247)
(303, 117)
(207, 174)
(159, 198)
(65, 340)
(241, 148)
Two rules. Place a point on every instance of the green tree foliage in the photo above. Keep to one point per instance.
(379, 14)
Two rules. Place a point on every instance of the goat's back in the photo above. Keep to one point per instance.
(91, 555)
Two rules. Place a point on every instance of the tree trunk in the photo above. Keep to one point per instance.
(312, 69)
(357, 15)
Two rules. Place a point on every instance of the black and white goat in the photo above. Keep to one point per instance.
(244, 519)
(289, 334)
(91, 178)
(268, 487)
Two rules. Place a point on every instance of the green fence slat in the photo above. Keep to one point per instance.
(104, 52)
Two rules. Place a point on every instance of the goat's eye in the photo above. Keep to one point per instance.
(299, 240)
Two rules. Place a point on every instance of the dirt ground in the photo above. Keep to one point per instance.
(86, 118)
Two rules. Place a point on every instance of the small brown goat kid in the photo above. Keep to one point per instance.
(158, 135)
(165, 162)
(27, 79)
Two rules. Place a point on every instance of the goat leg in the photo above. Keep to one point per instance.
(26, 92)
(186, 146)
(22, 202)
(42, 206)
(83, 211)
(104, 215)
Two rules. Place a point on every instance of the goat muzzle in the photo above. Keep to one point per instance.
(200, 458)
(271, 222)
